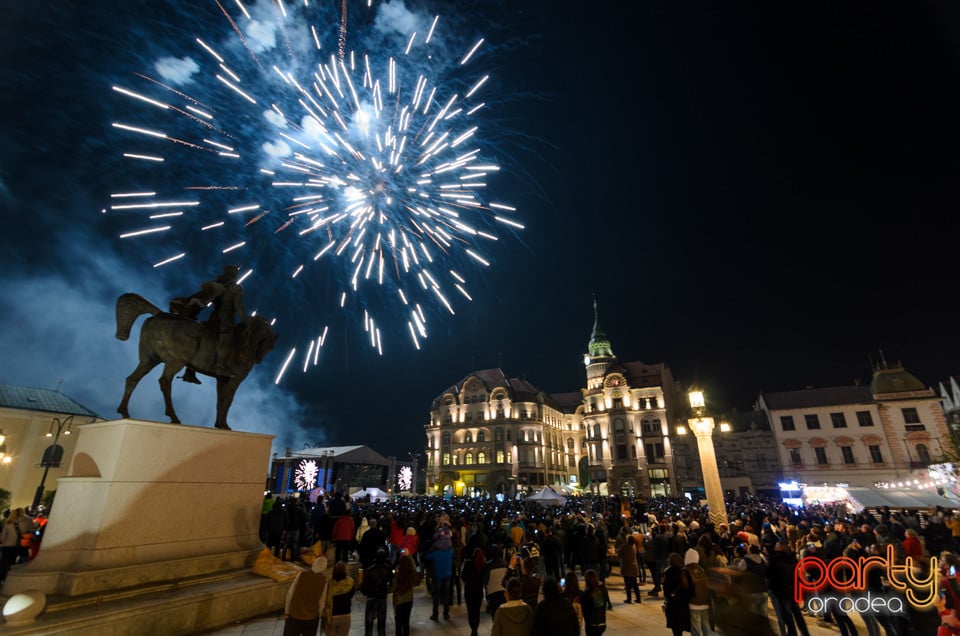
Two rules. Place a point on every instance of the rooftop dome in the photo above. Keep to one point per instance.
(894, 380)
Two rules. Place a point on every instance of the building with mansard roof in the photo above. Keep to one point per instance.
(491, 434)
(858, 435)
(27, 416)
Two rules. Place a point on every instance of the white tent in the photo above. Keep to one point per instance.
(375, 494)
(547, 497)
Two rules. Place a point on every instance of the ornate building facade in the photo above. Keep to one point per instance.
(858, 435)
(490, 434)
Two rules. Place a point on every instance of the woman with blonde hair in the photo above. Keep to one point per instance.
(336, 612)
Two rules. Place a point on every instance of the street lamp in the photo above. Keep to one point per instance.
(702, 426)
(53, 455)
(4, 458)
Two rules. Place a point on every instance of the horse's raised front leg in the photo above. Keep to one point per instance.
(166, 383)
(133, 379)
(226, 389)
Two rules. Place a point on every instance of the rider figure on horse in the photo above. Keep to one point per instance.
(226, 294)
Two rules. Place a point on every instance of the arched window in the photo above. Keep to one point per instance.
(446, 439)
(618, 425)
(481, 438)
(468, 459)
(468, 438)
(923, 454)
(596, 431)
(481, 458)
(570, 443)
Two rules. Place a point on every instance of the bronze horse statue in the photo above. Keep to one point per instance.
(177, 342)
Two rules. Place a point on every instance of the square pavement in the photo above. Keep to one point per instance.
(624, 620)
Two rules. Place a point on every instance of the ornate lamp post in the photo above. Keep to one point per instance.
(53, 455)
(4, 458)
(702, 426)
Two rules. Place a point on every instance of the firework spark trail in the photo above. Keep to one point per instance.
(367, 162)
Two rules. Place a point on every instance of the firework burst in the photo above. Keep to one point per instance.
(359, 172)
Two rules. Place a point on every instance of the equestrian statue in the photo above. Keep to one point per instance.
(217, 347)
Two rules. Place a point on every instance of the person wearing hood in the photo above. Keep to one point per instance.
(305, 600)
(336, 613)
(514, 617)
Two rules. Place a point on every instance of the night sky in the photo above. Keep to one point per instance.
(761, 197)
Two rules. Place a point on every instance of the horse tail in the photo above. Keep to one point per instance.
(129, 308)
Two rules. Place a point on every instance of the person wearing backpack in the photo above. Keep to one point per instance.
(700, 601)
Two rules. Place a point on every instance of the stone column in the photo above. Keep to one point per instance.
(702, 427)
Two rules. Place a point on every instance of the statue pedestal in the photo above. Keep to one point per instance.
(148, 503)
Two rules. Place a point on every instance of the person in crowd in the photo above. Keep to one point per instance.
(371, 543)
(456, 540)
(496, 575)
(410, 542)
(440, 558)
(10, 542)
(277, 521)
(572, 592)
(474, 574)
(294, 530)
(514, 617)
(781, 579)
(406, 580)
(361, 529)
(342, 536)
(592, 552)
(554, 615)
(530, 582)
(336, 614)
(912, 547)
(376, 584)
(629, 568)
(552, 554)
(595, 603)
(754, 566)
(677, 592)
(305, 601)
(700, 599)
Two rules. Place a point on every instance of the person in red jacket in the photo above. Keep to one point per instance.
(342, 535)
(911, 544)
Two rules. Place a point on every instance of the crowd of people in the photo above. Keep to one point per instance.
(539, 570)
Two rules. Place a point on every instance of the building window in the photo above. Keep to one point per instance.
(596, 431)
(786, 423)
(481, 437)
(654, 452)
(468, 438)
(446, 459)
(481, 458)
(618, 426)
(455, 458)
(923, 454)
(446, 439)
(812, 420)
(621, 451)
(509, 457)
(508, 434)
(618, 403)
(838, 420)
(599, 451)
(864, 418)
(571, 462)
(795, 459)
(821, 454)
(875, 455)
(847, 453)
(498, 435)
(468, 459)
(910, 416)
(499, 456)
(570, 444)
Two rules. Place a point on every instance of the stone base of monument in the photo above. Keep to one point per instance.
(153, 509)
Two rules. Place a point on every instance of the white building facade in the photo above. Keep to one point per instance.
(858, 435)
